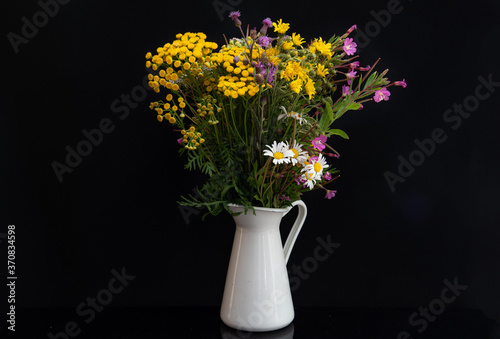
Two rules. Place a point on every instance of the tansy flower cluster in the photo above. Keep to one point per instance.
(257, 114)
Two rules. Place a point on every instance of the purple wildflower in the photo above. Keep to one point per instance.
(266, 23)
(264, 42)
(234, 16)
(271, 71)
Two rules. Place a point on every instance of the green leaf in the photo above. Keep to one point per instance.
(338, 132)
(327, 117)
(354, 106)
(370, 79)
(329, 111)
(339, 108)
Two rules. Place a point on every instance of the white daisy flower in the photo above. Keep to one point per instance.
(308, 179)
(299, 156)
(316, 166)
(294, 115)
(279, 152)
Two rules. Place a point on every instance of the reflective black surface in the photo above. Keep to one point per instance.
(204, 322)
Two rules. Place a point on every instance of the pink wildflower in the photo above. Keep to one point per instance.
(349, 46)
(381, 94)
(350, 76)
(330, 194)
(318, 143)
(327, 176)
(346, 90)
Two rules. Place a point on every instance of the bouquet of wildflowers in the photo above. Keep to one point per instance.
(255, 115)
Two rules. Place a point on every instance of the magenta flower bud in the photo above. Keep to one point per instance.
(353, 27)
(236, 59)
(354, 64)
(401, 83)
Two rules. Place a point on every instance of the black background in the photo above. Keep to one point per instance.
(117, 208)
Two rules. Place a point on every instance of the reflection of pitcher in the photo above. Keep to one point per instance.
(257, 294)
(230, 333)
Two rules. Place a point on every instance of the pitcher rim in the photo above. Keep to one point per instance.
(259, 208)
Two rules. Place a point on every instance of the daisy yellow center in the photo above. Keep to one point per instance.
(295, 153)
(317, 166)
(278, 155)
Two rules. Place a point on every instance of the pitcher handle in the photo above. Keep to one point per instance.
(294, 232)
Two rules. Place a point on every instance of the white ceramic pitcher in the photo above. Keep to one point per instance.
(257, 294)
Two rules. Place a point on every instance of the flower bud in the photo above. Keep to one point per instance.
(253, 34)
(401, 83)
(259, 79)
(263, 57)
(353, 27)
